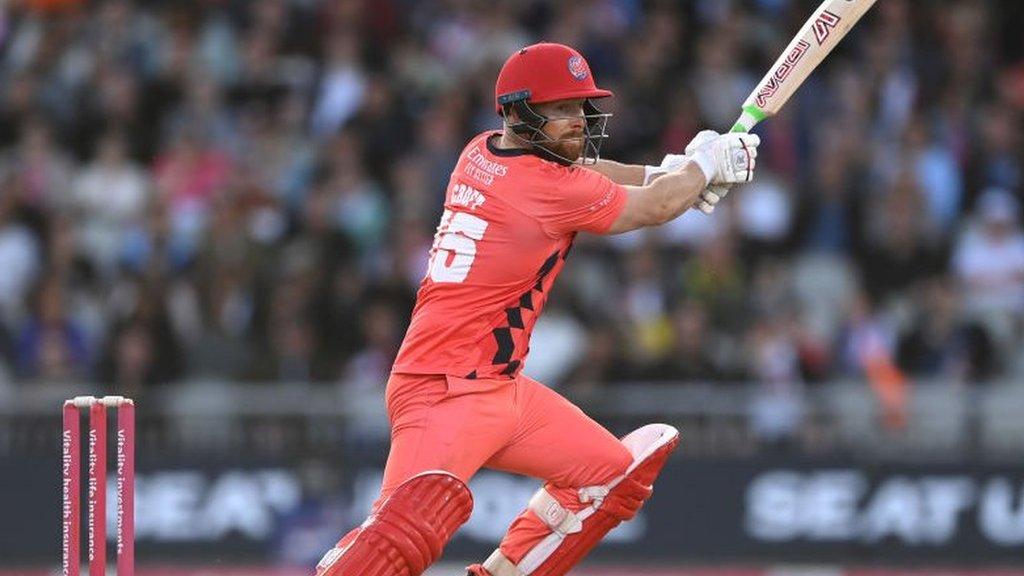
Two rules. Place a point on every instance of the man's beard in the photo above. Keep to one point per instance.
(570, 148)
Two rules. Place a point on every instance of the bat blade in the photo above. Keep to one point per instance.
(815, 40)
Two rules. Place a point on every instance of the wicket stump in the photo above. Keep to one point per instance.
(96, 489)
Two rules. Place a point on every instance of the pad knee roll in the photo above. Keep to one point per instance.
(407, 533)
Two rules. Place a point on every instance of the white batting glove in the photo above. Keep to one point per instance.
(702, 138)
(714, 192)
(725, 160)
(711, 195)
(673, 162)
(728, 159)
(670, 163)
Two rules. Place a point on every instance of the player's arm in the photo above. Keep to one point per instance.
(625, 174)
(663, 200)
(725, 159)
(636, 174)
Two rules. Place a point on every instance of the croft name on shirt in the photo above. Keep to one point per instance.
(468, 196)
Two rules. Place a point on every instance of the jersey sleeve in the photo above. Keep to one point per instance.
(580, 199)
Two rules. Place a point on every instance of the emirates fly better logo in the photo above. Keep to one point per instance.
(578, 68)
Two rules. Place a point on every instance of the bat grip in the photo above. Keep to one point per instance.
(751, 116)
(739, 128)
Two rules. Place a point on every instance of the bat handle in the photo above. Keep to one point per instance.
(752, 116)
(740, 128)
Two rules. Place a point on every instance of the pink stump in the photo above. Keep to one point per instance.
(71, 467)
(97, 489)
(126, 489)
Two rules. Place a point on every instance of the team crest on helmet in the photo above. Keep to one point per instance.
(578, 68)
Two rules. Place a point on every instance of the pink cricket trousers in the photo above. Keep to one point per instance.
(521, 426)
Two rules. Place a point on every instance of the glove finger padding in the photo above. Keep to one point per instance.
(744, 153)
(711, 196)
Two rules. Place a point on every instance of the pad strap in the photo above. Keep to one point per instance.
(551, 512)
(498, 565)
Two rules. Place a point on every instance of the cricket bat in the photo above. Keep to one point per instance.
(818, 36)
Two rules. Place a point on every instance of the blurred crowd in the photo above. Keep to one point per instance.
(247, 189)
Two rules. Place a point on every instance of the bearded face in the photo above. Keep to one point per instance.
(565, 127)
(561, 129)
(569, 146)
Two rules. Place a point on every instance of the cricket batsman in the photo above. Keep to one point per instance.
(456, 398)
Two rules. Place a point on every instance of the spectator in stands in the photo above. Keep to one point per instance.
(941, 345)
(111, 193)
(20, 255)
(42, 169)
(989, 263)
(696, 352)
(51, 345)
(901, 247)
(776, 409)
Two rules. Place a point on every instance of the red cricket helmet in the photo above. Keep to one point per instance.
(548, 72)
(545, 72)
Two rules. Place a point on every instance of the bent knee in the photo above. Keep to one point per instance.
(622, 459)
(613, 463)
